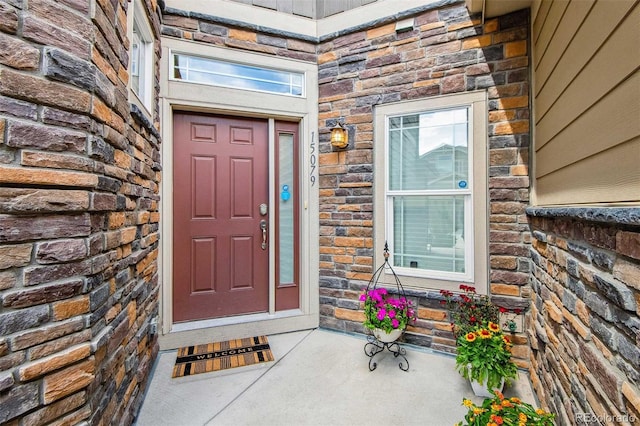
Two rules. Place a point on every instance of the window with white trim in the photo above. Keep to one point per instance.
(141, 69)
(216, 72)
(431, 189)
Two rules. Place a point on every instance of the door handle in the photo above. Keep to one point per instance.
(263, 226)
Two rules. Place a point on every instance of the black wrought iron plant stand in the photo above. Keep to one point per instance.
(373, 345)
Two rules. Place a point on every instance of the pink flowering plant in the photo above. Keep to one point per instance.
(383, 311)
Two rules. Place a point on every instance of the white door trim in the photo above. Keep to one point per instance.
(189, 97)
(175, 335)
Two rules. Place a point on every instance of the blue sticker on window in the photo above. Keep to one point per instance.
(462, 184)
(285, 195)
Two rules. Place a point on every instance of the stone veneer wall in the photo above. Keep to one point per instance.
(585, 328)
(448, 51)
(79, 175)
(209, 29)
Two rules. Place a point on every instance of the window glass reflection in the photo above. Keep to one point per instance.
(219, 73)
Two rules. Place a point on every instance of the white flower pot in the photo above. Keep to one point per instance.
(385, 337)
(480, 389)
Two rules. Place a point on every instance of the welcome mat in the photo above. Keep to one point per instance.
(221, 355)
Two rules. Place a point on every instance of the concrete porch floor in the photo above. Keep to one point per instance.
(319, 377)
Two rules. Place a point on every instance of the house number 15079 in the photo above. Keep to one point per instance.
(312, 160)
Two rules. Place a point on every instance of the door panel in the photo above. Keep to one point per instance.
(220, 179)
(241, 267)
(203, 269)
(242, 198)
(203, 198)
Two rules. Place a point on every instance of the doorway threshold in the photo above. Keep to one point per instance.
(236, 327)
(238, 319)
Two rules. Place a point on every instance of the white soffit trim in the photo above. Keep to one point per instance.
(368, 13)
(250, 14)
(297, 24)
(493, 8)
(474, 6)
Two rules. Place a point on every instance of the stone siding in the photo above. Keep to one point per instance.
(447, 52)
(80, 172)
(210, 29)
(79, 175)
(585, 328)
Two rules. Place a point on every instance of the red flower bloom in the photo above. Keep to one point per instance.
(497, 419)
(469, 309)
(484, 333)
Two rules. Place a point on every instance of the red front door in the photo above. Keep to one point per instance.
(220, 179)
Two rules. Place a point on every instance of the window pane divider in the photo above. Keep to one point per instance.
(397, 192)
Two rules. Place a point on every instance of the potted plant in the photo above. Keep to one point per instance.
(499, 410)
(385, 314)
(484, 357)
(469, 309)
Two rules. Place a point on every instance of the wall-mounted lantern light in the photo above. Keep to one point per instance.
(339, 136)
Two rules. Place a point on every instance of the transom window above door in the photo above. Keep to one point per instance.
(215, 72)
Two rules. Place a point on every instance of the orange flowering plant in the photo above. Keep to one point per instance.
(484, 354)
(505, 411)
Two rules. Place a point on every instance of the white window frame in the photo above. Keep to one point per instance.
(232, 64)
(144, 64)
(476, 213)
